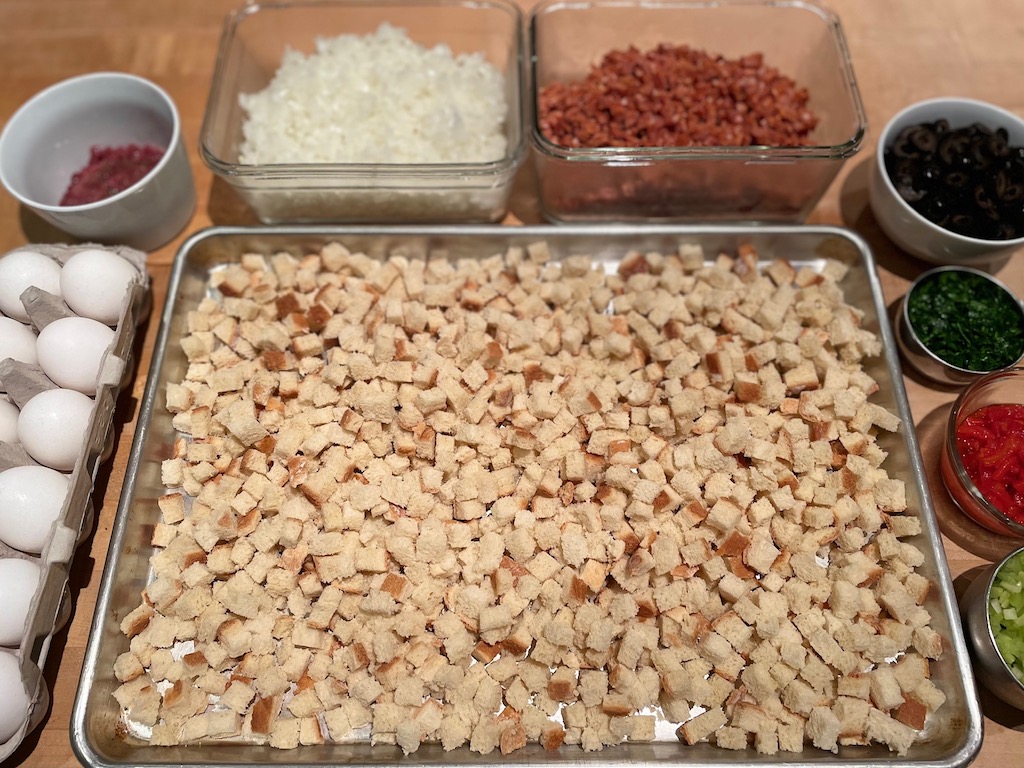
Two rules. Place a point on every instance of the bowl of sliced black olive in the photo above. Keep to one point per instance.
(948, 182)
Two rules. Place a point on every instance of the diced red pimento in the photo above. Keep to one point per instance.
(110, 170)
(990, 442)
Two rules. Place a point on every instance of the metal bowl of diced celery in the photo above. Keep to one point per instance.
(993, 613)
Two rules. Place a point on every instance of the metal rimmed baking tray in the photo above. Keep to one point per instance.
(952, 737)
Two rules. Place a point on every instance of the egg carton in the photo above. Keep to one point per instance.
(51, 606)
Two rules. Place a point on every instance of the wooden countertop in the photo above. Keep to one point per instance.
(902, 51)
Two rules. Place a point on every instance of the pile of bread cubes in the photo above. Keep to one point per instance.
(514, 499)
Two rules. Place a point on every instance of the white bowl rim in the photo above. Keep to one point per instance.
(70, 83)
(883, 141)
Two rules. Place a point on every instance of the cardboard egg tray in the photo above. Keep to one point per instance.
(51, 607)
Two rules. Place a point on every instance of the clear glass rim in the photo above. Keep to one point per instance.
(328, 171)
(646, 155)
(957, 465)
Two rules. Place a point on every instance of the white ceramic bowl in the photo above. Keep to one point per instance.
(49, 139)
(909, 229)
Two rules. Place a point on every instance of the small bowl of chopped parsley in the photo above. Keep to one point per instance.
(958, 323)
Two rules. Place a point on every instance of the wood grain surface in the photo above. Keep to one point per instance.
(903, 51)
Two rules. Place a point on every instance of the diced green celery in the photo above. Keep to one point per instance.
(1011, 586)
(1006, 614)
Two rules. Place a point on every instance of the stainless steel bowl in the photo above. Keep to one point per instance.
(922, 359)
(992, 671)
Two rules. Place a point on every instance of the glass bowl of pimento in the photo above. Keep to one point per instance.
(982, 463)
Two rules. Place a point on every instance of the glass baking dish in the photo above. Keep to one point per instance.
(252, 45)
(715, 183)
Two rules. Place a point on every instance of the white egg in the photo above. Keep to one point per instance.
(52, 427)
(20, 270)
(17, 341)
(94, 284)
(18, 582)
(8, 422)
(71, 351)
(14, 701)
(31, 498)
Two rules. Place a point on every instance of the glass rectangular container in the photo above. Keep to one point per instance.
(252, 45)
(717, 183)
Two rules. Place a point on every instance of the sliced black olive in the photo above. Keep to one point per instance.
(956, 179)
(902, 148)
(980, 154)
(936, 208)
(986, 205)
(904, 135)
(980, 128)
(952, 146)
(961, 221)
(940, 126)
(902, 171)
(1006, 189)
(932, 172)
(998, 143)
(965, 160)
(923, 138)
(1007, 231)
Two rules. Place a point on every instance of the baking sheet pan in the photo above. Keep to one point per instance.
(952, 736)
